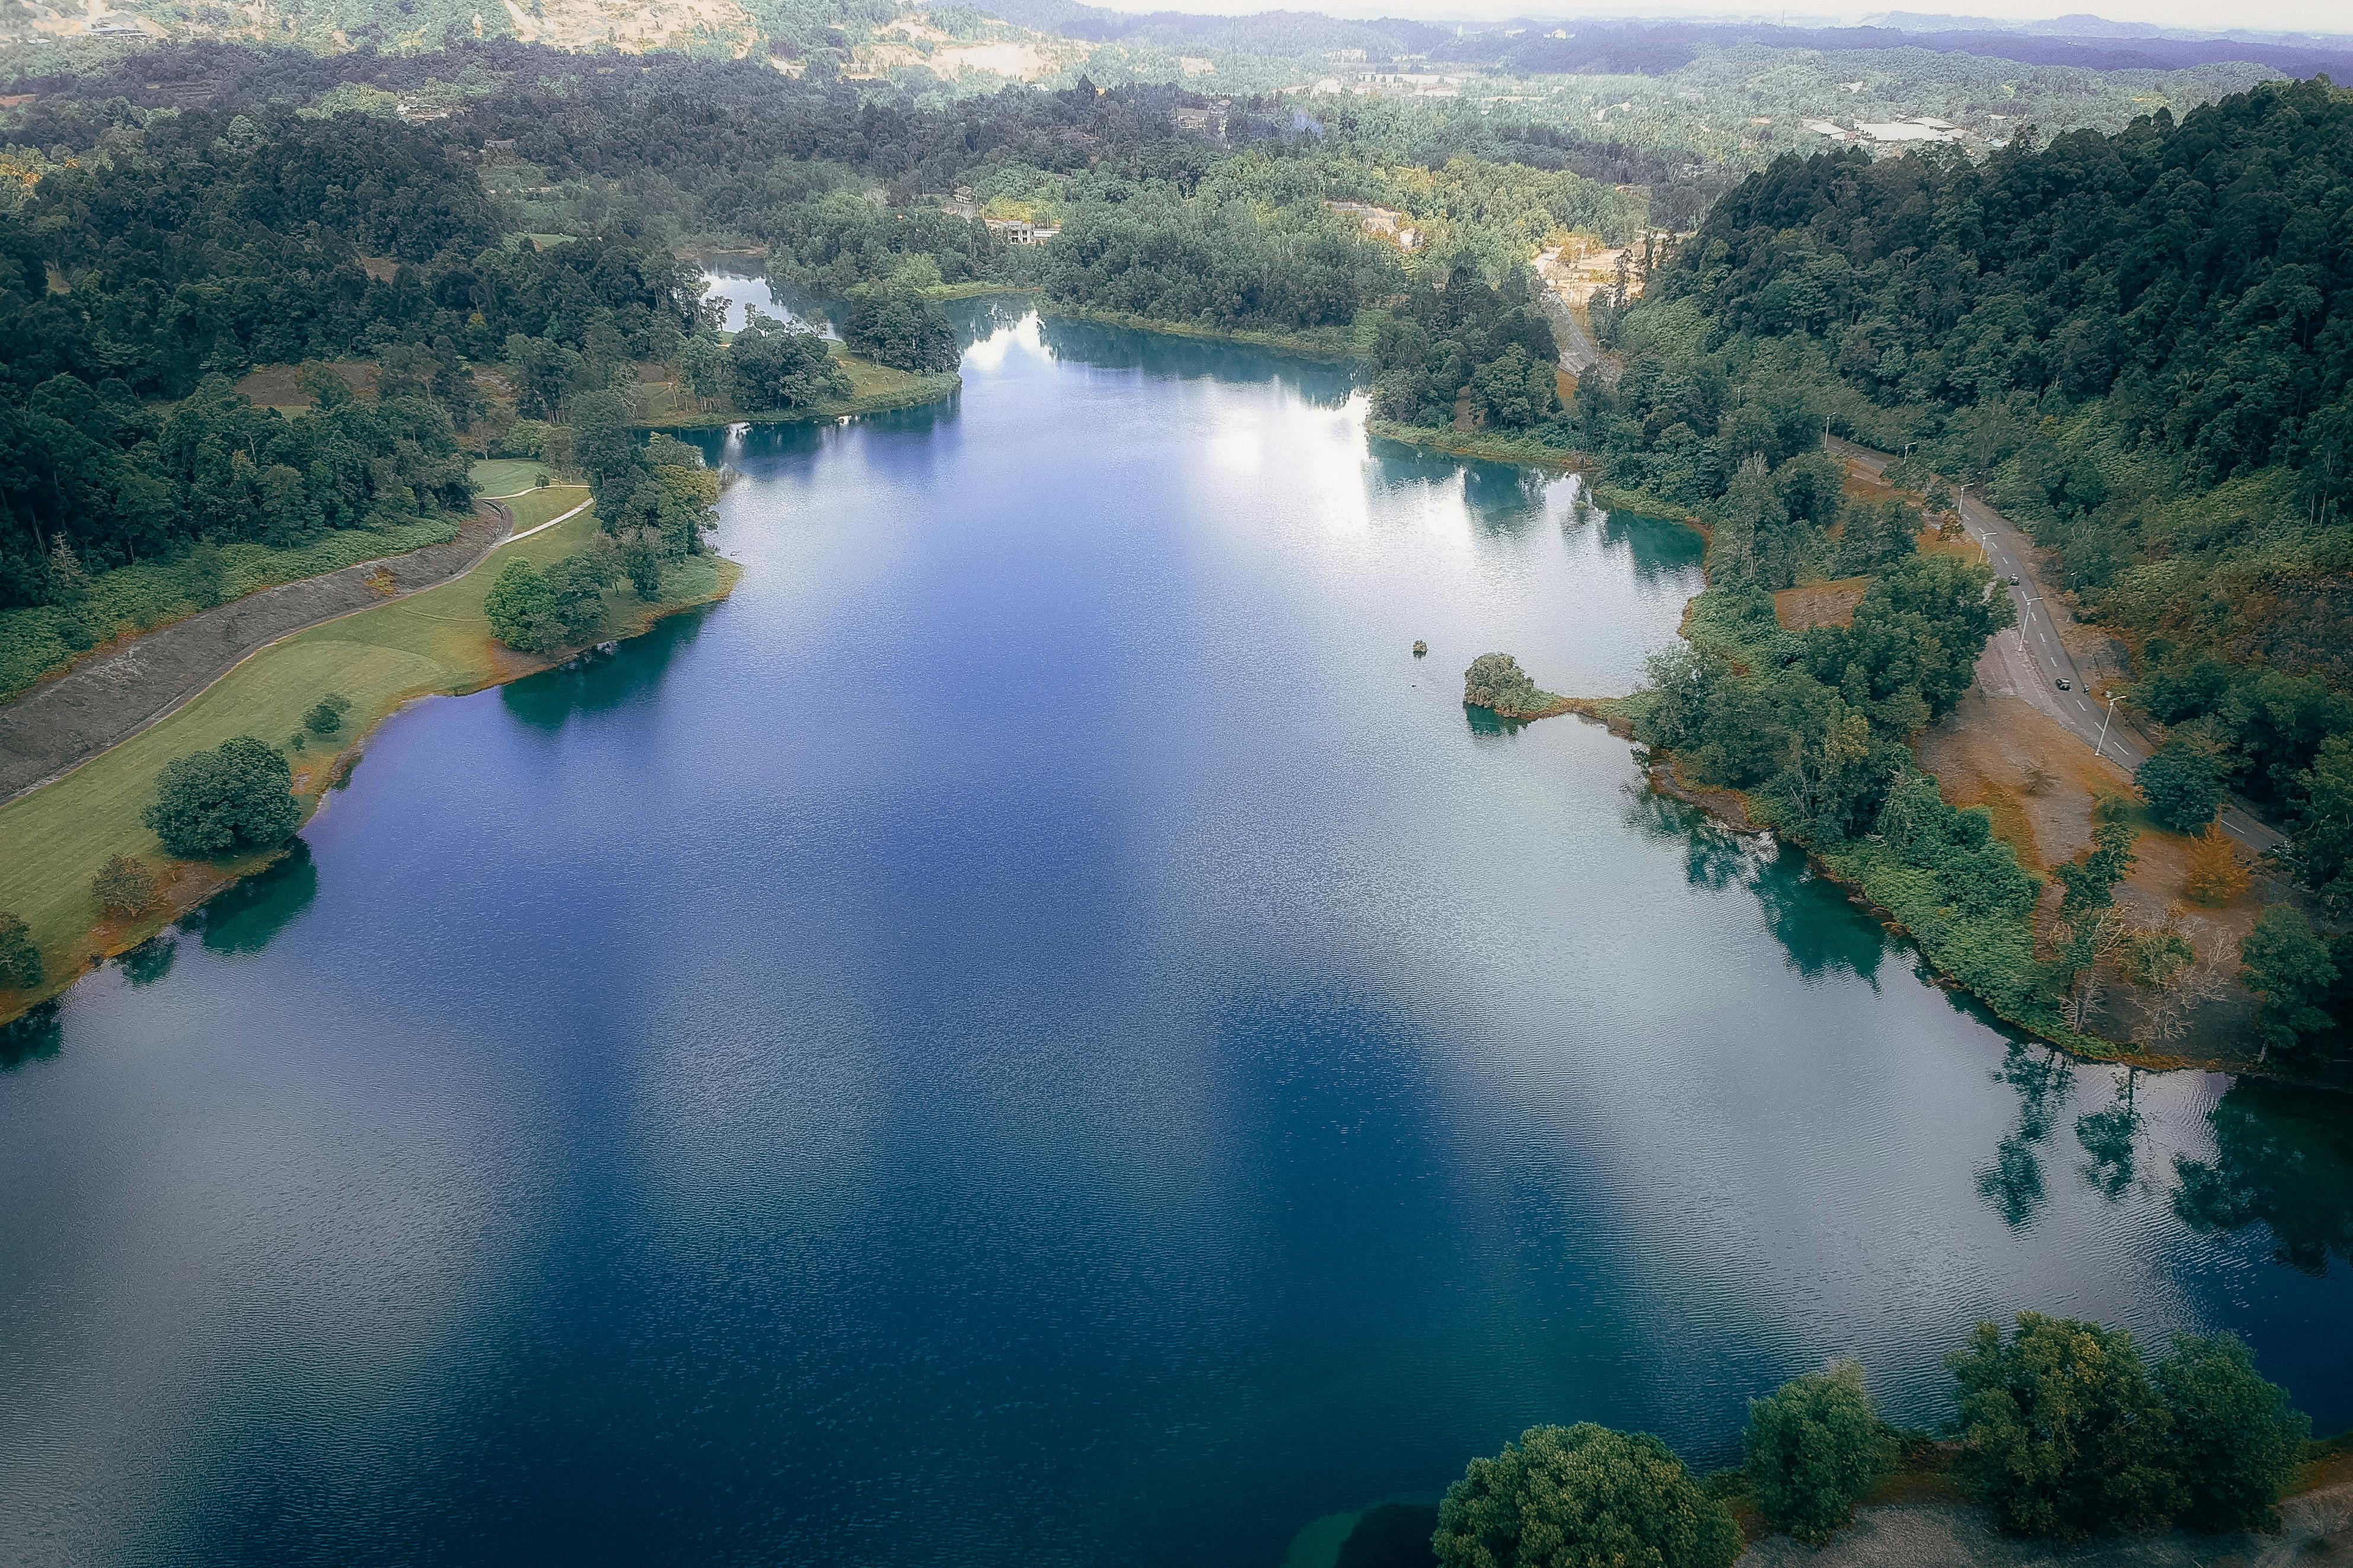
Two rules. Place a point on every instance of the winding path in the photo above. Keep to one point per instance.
(62, 723)
(2034, 659)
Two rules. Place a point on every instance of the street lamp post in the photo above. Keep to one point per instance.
(2102, 749)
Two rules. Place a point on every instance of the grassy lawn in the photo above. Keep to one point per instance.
(53, 841)
(535, 507)
(501, 478)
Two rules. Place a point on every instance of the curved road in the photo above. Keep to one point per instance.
(2034, 656)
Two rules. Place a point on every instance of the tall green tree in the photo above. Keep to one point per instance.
(2321, 850)
(1814, 1449)
(1582, 1497)
(2237, 1441)
(2182, 782)
(233, 800)
(2061, 1433)
(2285, 964)
(899, 326)
(775, 365)
(20, 959)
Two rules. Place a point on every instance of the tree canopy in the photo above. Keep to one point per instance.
(1582, 1497)
(233, 800)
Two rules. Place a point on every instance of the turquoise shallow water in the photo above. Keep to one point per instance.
(1037, 1032)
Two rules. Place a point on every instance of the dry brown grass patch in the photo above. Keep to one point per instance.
(1813, 604)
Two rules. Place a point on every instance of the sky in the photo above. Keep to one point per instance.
(2202, 15)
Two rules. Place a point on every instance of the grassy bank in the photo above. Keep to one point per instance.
(1329, 343)
(1484, 445)
(53, 841)
(872, 388)
(1618, 497)
(976, 290)
(40, 640)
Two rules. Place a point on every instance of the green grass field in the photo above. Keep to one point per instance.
(502, 478)
(535, 507)
(53, 841)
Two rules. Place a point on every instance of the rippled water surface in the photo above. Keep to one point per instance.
(1037, 1034)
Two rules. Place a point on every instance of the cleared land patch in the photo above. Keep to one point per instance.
(1811, 605)
(2041, 784)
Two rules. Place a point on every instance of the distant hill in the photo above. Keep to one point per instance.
(1651, 48)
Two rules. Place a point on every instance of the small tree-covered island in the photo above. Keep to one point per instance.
(659, 835)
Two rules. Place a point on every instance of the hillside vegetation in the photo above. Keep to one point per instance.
(2142, 344)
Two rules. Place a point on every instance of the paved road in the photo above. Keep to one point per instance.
(2034, 656)
(60, 724)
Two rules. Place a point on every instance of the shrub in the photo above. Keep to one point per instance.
(225, 801)
(1582, 1497)
(20, 961)
(2216, 872)
(1814, 1449)
(125, 886)
(2061, 1432)
(2236, 1440)
(2182, 782)
(328, 717)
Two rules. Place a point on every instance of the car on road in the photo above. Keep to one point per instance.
(2013, 579)
(2063, 684)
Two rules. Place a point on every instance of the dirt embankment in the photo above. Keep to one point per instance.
(102, 702)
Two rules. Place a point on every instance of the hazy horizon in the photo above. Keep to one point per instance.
(2325, 18)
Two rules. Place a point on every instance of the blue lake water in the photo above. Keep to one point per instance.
(1037, 1032)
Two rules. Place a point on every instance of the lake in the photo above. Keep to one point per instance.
(1039, 1033)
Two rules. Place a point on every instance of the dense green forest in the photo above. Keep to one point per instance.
(530, 237)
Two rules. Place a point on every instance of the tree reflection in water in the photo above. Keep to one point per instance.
(1819, 930)
(1321, 383)
(2012, 1185)
(2111, 1137)
(35, 1037)
(150, 961)
(603, 679)
(244, 917)
(1655, 547)
(2282, 1158)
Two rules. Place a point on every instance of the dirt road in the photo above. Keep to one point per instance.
(2033, 662)
(60, 724)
